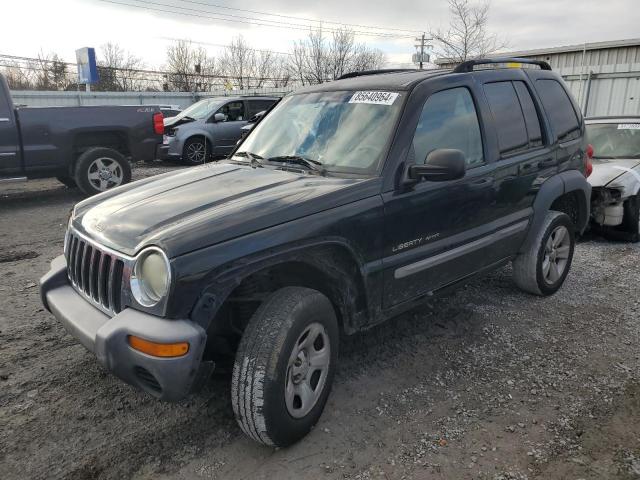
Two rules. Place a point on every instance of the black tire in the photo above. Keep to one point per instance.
(192, 145)
(528, 267)
(86, 168)
(68, 182)
(631, 218)
(262, 365)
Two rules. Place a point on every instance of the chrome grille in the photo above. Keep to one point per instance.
(95, 272)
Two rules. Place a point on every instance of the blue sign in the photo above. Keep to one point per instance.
(87, 70)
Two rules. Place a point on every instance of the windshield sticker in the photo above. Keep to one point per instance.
(629, 126)
(375, 98)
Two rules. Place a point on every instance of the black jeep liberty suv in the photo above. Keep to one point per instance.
(351, 202)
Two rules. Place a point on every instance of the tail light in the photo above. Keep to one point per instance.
(158, 123)
(587, 161)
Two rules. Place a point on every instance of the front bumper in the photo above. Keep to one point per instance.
(165, 378)
(164, 153)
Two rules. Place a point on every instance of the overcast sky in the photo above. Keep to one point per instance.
(61, 26)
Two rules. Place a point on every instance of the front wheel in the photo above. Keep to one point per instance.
(542, 269)
(195, 151)
(284, 366)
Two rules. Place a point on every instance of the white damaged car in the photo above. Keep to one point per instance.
(615, 181)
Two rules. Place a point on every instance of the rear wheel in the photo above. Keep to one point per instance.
(543, 268)
(631, 219)
(100, 169)
(285, 365)
(196, 151)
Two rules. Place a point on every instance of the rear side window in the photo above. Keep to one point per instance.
(257, 106)
(530, 114)
(559, 109)
(449, 120)
(508, 117)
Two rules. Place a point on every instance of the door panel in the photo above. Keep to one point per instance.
(227, 133)
(433, 218)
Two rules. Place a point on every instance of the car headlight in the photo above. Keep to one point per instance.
(150, 277)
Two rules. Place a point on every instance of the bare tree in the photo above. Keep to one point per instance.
(18, 77)
(239, 61)
(189, 68)
(467, 36)
(119, 70)
(49, 72)
(318, 60)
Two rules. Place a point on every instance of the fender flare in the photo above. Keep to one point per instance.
(552, 189)
(214, 295)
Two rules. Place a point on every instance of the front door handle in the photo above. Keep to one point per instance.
(483, 182)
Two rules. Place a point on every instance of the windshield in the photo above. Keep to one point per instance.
(200, 110)
(343, 131)
(614, 140)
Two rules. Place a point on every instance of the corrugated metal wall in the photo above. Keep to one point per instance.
(74, 99)
(613, 74)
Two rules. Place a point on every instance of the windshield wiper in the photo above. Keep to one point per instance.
(310, 164)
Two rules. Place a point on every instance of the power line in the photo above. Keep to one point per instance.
(240, 19)
(220, 45)
(406, 30)
(162, 73)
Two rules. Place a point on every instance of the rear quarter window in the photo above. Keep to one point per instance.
(559, 109)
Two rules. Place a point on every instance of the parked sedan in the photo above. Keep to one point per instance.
(209, 128)
(615, 181)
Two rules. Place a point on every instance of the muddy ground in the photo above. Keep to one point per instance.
(486, 383)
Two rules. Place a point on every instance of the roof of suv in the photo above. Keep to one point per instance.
(400, 80)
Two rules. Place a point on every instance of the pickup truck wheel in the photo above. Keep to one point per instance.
(284, 366)
(99, 169)
(543, 269)
(68, 182)
(195, 151)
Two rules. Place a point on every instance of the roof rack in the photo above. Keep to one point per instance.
(375, 72)
(467, 67)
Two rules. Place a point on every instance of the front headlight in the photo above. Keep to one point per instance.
(150, 277)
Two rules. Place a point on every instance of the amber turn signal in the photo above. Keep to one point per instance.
(158, 349)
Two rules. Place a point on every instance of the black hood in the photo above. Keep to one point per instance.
(202, 206)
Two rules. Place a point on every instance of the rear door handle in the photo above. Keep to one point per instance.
(550, 162)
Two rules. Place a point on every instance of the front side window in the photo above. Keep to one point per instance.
(233, 111)
(614, 140)
(449, 120)
(345, 131)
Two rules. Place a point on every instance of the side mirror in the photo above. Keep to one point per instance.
(219, 117)
(440, 165)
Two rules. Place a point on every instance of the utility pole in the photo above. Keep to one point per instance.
(420, 46)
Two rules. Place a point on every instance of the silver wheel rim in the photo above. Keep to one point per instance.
(196, 152)
(556, 254)
(105, 173)
(307, 370)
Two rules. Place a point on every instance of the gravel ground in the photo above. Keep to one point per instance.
(486, 383)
